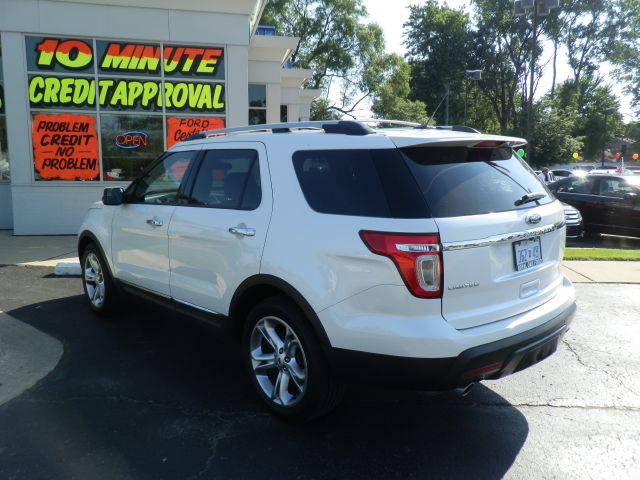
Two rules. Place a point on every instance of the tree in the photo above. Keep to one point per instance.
(588, 101)
(341, 50)
(588, 34)
(625, 54)
(321, 110)
(438, 41)
(391, 99)
(554, 133)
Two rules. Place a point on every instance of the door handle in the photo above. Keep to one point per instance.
(155, 222)
(247, 232)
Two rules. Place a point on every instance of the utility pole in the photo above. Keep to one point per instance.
(447, 86)
(607, 112)
(537, 9)
(476, 76)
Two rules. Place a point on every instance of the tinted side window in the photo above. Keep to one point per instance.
(613, 187)
(161, 183)
(578, 185)
(460, 181)
(366, 183)
(228, 179)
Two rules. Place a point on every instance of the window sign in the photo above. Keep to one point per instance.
(59, 55)
(179, 129)
(65, 147)
(112, 78)
(48, 55)
(181, 61)
(121, 58)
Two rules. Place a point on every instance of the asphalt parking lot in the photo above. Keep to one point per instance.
(156, 396)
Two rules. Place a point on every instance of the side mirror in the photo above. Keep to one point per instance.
(113, 196)
(631, 197)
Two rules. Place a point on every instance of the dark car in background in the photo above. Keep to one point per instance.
(608, 203)
(573, 219)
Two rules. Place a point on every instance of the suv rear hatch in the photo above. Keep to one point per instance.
(501, 248)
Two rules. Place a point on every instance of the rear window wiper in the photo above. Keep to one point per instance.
(529, 197)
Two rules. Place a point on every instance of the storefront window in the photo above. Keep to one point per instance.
(129, 143)
(113, 95)
(257, 104)
(5, 173)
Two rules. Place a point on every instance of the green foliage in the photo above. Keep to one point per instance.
(625, 52)
(321, 110)
(392, 97)
(590, 98)
(554, 134)
(438, 44)
(332, 36)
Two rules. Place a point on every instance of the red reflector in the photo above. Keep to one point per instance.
(416, 256)
(482, 371)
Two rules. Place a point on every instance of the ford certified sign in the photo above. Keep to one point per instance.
(131, 140)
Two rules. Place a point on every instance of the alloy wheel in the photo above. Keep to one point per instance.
(94, 280)
(278, 361)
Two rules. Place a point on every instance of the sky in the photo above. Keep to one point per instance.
(392, 14)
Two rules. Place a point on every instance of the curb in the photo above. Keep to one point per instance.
(66, 269)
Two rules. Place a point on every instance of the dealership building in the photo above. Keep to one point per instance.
(91, 91)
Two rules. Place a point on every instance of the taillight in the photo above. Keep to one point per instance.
(416, 255)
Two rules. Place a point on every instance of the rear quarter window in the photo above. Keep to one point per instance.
(366, 183)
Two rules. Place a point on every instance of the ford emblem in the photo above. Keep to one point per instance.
(533, 218)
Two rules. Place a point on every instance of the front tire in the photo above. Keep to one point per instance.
(285, 362)
(97, 282)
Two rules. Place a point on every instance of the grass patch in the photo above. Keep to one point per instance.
(601, 254)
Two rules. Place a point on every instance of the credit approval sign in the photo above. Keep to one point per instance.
(191, 74)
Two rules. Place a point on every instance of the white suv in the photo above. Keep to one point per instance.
(410, 257)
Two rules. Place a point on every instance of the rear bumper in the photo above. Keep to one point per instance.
(489, 361)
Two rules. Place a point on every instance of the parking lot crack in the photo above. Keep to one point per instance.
(560, 404)
(607, 372)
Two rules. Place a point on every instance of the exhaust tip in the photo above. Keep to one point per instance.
(466, 390)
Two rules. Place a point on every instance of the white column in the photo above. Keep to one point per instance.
(274, 99)
(237, 86)
(16, 108)
(294, 112)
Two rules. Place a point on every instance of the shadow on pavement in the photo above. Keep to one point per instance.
(154, 395)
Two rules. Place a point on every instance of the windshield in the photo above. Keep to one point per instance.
(459, 181)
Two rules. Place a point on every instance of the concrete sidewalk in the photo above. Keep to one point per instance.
(60, 250)
(37, 251)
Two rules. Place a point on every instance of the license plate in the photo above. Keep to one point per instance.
(527, 253)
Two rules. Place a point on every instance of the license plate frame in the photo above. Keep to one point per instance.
(527, 253)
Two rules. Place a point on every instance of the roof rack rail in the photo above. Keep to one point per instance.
(345, 127)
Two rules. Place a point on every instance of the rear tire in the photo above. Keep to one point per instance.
(98, 285)
(285, 362)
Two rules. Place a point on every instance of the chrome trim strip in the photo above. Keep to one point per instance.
(197, 307)
(497, 239)
(417, 248)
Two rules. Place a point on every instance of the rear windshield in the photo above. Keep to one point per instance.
(459, 181)
(364, 183)
(421, 182)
